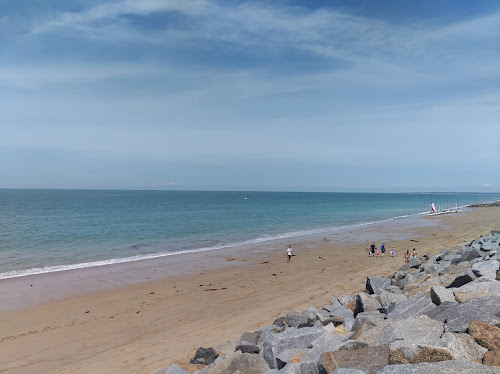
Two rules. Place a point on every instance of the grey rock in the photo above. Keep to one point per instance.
(366, 303)
(414, 263)
(408, 352)
(416, 305)
(440, 294)
(344, 300)
(462, 279)
(248, 338)
(463, 347)
(486, 309)
(252, 349)
(273, 344)
(204, 356)
(174, 369)
(450, 257)
(486, 269)
(348, 324)
(295, 319)
(433, 269)
(471, 254)
(482, 284)
(370, 318)
(408, 279)
(442, 367)
(248, 364)
(375, 285)
(336, 302)
(369, 334)
(368, 359)
(439, 313)
(341, 313)
(387, 298)
(348, 371)
(418, 330)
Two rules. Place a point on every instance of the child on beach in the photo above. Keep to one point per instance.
(393, 251)
(407, 256)
(414, 253)
(289, 253)
(378, 252)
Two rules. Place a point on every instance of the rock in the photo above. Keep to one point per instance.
(368, 359)
(204, 356)
(248, 364)
(462, 279)
(462, 297)
(440, 294)
(387, 299)
(371, 318)
(406, 352)
(247, 339)
(415, 305)
(471, 254)
(375, 285)
(174, 369)
(417, 330)
(295, 319)
(351, 305)
(345, 299)
(348, 371)
(486, 269)
(366, 303)
(434, 269)
(336, 302)
(273, 344)
(463, 347)
(439, 313)
(443, 367)
(492, 358)
(341, 313)
(408, 279)
(414, 263)
(252, 349)
(486, 335)
(369, 334)
(482, 284)
(483, 309)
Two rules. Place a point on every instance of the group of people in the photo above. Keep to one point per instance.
(381, 252)
(374, 250)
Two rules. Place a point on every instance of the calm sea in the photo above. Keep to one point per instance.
(50, 230)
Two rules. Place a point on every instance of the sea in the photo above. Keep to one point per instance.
(44, 231)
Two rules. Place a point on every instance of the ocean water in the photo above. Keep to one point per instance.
(52, 230)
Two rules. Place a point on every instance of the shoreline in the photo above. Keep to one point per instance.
(300, 235)
(159, 321)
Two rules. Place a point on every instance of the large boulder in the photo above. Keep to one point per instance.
(482, 284)
(485, 334)
(492, 358)
(485, 309)
(463, 347)
(462, 297)
(387, 298)
(366, 303)
(443, 367)
(439, 294)
(414, 306)
(295, 319)
(419, 329)
(406, 352)
(376, 285)
(248, 364)
(369, 359)
(486, 269)
(370, 318)
(461, 279)
(273, 344)
(247, 339)
(204, 356)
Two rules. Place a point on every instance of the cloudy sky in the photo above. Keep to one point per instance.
(272, 95)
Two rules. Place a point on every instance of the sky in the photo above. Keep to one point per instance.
(361, 95)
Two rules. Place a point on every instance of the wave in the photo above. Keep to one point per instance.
(263, 239)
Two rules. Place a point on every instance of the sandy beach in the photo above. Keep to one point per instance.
(134, 318)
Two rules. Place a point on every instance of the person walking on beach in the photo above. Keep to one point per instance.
(372, 249)
(382, 249)
(393, 251)
(289, 253)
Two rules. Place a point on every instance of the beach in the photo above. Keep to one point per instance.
(136, 317)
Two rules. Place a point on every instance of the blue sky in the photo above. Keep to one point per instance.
(270, 95)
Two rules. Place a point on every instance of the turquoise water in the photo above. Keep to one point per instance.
(50, 230)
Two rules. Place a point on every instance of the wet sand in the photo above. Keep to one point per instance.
(134, 318)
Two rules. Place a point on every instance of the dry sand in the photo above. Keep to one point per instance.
(140, 327)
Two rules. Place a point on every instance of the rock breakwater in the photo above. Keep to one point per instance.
(437, 314)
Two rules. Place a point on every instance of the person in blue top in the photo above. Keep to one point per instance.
(382, 248)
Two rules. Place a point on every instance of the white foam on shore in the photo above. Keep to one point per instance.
(294, 234)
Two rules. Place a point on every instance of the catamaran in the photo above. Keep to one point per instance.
(444, 207)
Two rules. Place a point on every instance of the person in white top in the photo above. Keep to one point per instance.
(289, 253)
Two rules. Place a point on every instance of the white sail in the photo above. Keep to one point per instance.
(433, 208)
